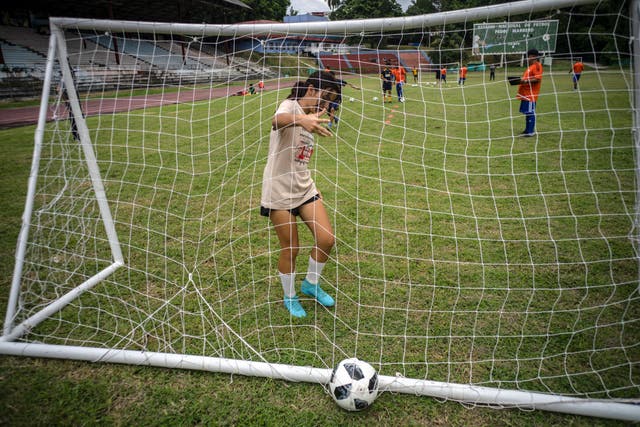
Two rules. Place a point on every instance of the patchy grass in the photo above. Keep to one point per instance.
(464, 254)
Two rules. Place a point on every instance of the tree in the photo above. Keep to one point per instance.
(421, 7)
(273, 10)
(586, 23)
(362, 9)
(333, 4)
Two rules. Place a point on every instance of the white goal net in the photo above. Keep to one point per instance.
(470, 263)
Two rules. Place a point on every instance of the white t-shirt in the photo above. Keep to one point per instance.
(286, 182)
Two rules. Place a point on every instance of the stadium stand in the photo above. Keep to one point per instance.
(22, 36)
(188, 55)
(98, 67)
(20, 57)
(86, 54)
(372, 62)
(335, 62)
(415, 58)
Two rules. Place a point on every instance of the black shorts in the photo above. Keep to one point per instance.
(295, 211)
(386, 86)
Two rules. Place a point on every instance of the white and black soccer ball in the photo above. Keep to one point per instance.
(375, 98)
(354, 384)
(351, 99)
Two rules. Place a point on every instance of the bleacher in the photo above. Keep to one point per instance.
(193, 58)
(414, 58)
(20, 57)
(125, 58)
(372, 62)
(25, 37)
(335, 62)
(100, 61)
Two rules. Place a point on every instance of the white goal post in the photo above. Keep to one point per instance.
(470, 265)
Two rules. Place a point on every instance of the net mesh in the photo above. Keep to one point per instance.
(464, 253)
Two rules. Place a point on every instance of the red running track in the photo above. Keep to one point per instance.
(24, 116)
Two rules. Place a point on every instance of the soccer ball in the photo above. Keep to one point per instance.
(351, 99)
(354, 384)
(375, 98)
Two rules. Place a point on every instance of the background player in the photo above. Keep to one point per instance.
(387, 83)
(529, 90)
(400, 76)
(463, 75)
(576, 69)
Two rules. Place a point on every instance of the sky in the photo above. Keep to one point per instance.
(308, 6)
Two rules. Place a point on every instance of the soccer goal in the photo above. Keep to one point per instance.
(470, 264)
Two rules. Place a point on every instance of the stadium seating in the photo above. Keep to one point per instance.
(21, 57)
(335, 62)
(414, 58)
(372, 62)
(25, 37)
(100, 60)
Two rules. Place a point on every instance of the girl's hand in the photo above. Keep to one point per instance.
(314, 124)
(310, 122)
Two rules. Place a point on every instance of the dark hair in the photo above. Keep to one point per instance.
(318, 80)
(533, 52)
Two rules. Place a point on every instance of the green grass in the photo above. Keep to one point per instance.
(459, 250)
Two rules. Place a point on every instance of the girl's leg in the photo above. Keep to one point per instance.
(287, 231)
(315, 216)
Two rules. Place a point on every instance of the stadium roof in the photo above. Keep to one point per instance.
(189, 11)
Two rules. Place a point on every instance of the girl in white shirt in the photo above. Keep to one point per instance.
(288, 190)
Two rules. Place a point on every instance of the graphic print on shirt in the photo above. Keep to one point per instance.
(304, 149)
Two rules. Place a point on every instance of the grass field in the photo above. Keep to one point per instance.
(464, 254)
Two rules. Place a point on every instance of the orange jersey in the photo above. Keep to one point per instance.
(443, 72)
(400, 74)
(530, 91)
(578, 67)
(463, 72)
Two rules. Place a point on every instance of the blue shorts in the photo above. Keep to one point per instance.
(527, 107)
(576, 77)
(295, 211)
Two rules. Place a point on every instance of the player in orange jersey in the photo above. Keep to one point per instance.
(463, 75)
(576, 69)
(400, 76)
(529, 90)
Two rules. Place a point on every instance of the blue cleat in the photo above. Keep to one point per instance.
(316, 291)
(294, 307)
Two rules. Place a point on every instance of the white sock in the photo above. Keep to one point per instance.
(288, 284)
(314, 271)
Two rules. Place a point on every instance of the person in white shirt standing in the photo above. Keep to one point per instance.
(288, 191)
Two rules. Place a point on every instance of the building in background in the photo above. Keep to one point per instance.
(294, 44)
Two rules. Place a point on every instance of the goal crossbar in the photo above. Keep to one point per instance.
(323, 27)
